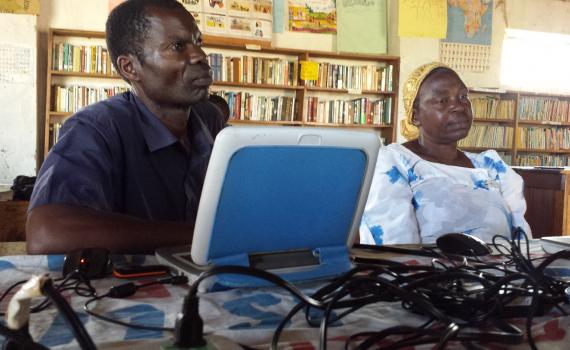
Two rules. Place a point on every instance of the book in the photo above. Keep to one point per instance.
(553, 244)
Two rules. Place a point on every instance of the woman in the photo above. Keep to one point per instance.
(427, 187)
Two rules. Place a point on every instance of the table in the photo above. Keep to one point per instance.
(247, 316)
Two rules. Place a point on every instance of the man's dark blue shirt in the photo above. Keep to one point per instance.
(116, 156)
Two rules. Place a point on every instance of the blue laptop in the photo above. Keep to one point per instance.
(284, 199)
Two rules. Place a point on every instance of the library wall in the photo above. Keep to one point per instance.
(541, 15)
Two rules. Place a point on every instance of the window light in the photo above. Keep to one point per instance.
(536, 62)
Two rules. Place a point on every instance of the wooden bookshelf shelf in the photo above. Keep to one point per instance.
(489, 120)
(481, 149)
(543, 123)
(367, 126)
(255, 86)
(83, 75)
(59, 114)
(538, 150)
(260, 122)
(345, 91)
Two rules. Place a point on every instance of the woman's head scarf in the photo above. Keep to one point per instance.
(410, 91)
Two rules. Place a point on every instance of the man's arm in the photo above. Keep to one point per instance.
(58, 229)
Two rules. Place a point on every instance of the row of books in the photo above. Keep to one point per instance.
(354, 77)
(254, 70)
(544, 138)
(81, 58)
(72, 98)
(54, 133)
(540, 108)
(360, 111)
(492, 108)
(543, 160)
(247, 106)
(491, 136)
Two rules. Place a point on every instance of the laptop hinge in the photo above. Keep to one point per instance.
(284, 259)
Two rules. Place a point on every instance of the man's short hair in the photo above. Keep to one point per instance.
(127, 27)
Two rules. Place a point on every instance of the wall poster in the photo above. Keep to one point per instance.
(315, 16)
(362, 26)
(250, 19)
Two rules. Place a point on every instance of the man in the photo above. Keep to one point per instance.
(127, 172)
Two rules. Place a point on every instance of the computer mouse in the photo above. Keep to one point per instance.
(91, 262)
(462, 244)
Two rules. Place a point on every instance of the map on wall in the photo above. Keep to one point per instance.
(469, 21)
(467, 46)
(315, 16)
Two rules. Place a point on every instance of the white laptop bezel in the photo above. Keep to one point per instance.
(230, 140)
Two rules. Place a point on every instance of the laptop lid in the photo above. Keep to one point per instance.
(277, 195)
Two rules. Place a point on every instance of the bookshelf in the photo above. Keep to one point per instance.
(79, 72)
(494, 122)
(528, 129)
(261, 84)
(543, 134)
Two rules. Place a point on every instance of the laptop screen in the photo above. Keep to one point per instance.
(287, 198)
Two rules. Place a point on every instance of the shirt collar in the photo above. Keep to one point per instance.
(156, 134)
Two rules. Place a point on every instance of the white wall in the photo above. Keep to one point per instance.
(18, 107)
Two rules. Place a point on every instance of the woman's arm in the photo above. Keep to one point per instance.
(512, 190)
(389, 216)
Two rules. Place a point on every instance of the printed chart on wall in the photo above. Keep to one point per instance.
(249, 19)
(17, 96)
(314, 16)
(467, 46)
(422, 18)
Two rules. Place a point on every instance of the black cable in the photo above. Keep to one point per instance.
(23, 342)
(81, 335)
(125, 290)
(118, 322)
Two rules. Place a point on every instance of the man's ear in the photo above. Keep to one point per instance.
(129, 67)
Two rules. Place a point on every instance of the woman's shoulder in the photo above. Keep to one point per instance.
(489, 159)
(395, 153)
(396, 148)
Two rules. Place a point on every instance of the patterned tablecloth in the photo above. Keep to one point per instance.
(247, 316)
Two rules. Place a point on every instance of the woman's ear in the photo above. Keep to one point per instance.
(415, 120)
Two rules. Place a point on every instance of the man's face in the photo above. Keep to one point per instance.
(174, 71)
(443, 111)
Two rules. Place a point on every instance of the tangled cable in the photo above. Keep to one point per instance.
(467, 301)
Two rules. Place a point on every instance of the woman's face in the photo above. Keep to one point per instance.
(442, 109)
